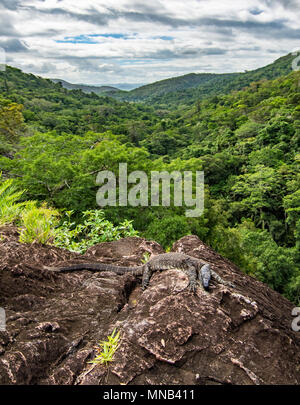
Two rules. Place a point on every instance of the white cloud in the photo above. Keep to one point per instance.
(160, 39)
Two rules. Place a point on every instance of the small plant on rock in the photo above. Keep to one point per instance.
(107, 349)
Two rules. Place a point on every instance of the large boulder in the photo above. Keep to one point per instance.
(168, 334)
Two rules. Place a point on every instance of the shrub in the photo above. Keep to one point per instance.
(38, 223)
(94, 229)
(10, 209)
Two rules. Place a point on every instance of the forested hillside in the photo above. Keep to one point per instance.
(54, 141)
(49, 106)
(189, 88)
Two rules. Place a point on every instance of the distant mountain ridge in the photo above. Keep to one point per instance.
(86, 88)
(123, 86)
(181, 90)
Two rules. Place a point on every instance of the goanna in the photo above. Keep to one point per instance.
(197, 270)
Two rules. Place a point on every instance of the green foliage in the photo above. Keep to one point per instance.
(94, 229)
(11, 121)
(48, 106)
(146, 257)
(10, 208)
(293, 289)
(274, 264)
(37, 223)
(168, 229)
(255, 251)
(107, 349)
(62, 168)
(248, 130)
(246, 141)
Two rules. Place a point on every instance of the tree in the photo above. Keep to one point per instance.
(11, 121)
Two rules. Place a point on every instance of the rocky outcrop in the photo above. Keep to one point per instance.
(168, 334)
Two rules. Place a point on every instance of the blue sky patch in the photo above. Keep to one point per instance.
(78, 39)
(89, 39)
(256, 11)
(110, 35)
(164, 38)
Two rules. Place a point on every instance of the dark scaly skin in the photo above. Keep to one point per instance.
(136, 270)
(165, 261)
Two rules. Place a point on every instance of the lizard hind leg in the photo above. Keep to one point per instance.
(220, 280)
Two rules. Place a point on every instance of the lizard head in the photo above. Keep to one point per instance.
(205, 276)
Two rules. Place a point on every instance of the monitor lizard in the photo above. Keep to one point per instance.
(196, 269)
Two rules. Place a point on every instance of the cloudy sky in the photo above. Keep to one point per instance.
(133, 41)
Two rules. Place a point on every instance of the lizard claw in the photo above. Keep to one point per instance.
(192, 287)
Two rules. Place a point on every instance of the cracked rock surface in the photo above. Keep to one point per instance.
(168, 334)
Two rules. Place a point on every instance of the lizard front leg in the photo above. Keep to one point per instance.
(192, 275)
(146, 276)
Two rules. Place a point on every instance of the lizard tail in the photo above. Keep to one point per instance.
(136, 270)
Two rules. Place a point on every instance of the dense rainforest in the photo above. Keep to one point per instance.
(242, 130)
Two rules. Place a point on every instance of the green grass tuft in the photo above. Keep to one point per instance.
(107, 349)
